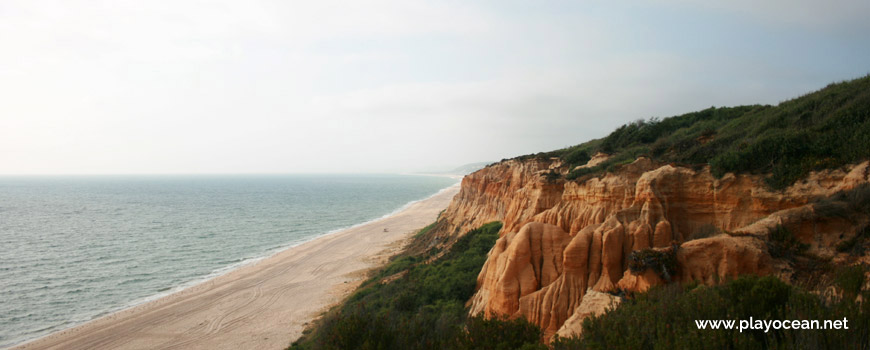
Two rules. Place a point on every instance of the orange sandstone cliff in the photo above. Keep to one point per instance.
(566, 244)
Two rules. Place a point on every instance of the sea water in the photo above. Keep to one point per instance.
(73, 248)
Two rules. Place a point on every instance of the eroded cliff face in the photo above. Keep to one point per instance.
(509, 191)
(563, 240)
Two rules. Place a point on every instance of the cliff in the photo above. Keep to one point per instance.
(565, 241)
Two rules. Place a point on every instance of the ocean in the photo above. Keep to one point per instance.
(73, 248)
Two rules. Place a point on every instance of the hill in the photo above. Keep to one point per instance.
(623, 241)
(824, 129)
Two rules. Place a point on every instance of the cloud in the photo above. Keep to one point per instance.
(387, 85)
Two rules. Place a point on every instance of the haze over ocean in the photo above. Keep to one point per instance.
(77, 247)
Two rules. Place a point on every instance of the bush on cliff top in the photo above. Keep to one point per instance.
(663, 262)
(664, 318)
(824, 129)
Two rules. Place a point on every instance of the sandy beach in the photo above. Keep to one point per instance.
(259, 306)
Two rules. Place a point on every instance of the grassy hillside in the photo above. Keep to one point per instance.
(665, 317)
(824, 129)
(419, 303)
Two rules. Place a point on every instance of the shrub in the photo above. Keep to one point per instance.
(857, 244)
(422, 309)
(664, 318)
(663, 262)
(578, 156)
(552, 175)
(850, 280)
(577, 173)
(781, 243)
(845, 204)
(499, 334)
(825, 129)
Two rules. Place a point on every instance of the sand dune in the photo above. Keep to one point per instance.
(259, 306)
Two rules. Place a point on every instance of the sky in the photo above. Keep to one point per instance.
(192, 87)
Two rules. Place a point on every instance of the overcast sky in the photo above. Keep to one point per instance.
(93, 87)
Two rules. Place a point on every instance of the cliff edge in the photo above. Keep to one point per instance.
(565, 240)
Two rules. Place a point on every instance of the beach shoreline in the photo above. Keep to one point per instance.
(263, 305)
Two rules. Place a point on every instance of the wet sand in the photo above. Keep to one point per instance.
(260, 306)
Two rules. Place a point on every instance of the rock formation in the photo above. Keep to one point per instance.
(565, 241)
(593, 304)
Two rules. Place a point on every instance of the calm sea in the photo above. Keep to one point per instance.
(75, 248)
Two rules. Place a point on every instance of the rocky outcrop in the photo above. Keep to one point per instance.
(563, 240)
(723, 257)
(510, 191)
(596, 159)
(593, 304)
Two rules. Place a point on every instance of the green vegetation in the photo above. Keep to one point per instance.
(500, 334)
(577, 156)
(664, 318)
(824, 129)
(425, 230)
(852, 205)
(423, 307)
(663, 262)
(850, 279)
(781, 243)
(856, 245)
(418, 300)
